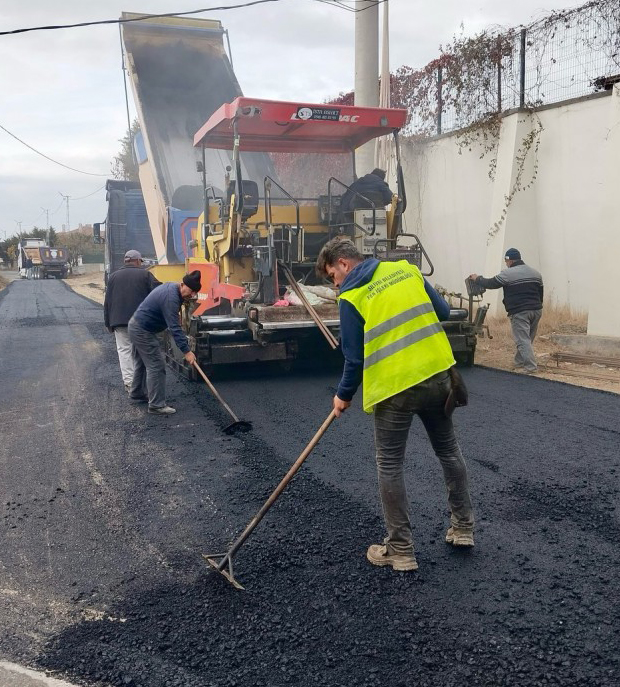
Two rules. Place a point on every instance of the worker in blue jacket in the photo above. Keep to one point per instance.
(157, 312)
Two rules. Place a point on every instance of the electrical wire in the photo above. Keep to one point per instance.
(340, 4)
(334, 3)
(144, 18)
(92, 174)
(89, 195)
(62, 202)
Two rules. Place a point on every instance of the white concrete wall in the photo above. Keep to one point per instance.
(561, 224)
(448, 203)
(604, 314)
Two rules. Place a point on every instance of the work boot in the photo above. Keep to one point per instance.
(377, 554)
(459, 537)
(164, 410)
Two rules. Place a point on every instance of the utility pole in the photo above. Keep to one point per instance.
(19, 225)
(366, 72)
(67, 201)
(47, 226)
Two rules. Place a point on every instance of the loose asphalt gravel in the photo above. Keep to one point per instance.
(106, 511)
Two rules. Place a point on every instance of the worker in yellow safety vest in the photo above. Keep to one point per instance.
(393, 343)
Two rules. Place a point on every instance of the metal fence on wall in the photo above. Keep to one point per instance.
(566, 55)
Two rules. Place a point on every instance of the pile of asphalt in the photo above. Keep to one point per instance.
(533, 603)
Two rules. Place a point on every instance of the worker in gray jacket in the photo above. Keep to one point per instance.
(523, 300)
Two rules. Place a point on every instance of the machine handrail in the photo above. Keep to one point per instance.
(419, 243)
(215, 199)
(267, 190)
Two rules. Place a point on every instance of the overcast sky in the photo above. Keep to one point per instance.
(62, 91)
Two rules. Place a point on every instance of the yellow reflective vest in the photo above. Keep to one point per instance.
(404, 343)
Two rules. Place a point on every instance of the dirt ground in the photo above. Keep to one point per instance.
(497, 352)
(90, 285)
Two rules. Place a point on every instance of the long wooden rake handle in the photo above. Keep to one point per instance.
(279, 489)
(331, 339)
(215, 392)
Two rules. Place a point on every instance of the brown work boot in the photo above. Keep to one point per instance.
(459, 537)
(377, 554)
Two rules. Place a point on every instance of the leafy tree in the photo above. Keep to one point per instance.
(37, 233)
(8, 248)
(124, 165)
(11, 253)
(78, 242)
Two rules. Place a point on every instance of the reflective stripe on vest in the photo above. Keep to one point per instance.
(404, 343)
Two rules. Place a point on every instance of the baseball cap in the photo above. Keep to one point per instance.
(512, 254)
(132, 255)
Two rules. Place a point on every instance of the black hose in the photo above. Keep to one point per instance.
(259, 290)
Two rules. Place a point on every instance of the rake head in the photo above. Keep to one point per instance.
(241, 426)
(218, 562)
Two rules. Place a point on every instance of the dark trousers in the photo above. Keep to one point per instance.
(149, 374)
(393, 419)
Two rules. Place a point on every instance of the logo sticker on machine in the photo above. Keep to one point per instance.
(330, 114)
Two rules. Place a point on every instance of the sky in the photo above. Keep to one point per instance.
(63, 94)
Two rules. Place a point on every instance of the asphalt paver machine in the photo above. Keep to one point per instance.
(255, 236)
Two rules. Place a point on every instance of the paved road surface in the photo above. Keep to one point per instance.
(13, 675)
(106, 511)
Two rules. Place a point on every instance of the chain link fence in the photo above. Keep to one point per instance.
(564, 55)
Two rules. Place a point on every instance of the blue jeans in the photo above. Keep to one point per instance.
(393, 419)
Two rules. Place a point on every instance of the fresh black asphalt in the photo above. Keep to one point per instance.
(106, 511)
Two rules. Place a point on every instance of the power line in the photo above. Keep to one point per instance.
(92, 174)
(334, 3)
(340, 4)
(58, 208)
(148, 16)
(90, 194)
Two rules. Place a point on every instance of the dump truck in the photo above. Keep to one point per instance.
(126, 226)
(180, 75)
(247, 191)
(46, 261)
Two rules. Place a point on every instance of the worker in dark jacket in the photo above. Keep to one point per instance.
(127, 288)
(523, 300)
(28, 264)
(372, 187)
(394, 345)
(159, 311)
(373, 192)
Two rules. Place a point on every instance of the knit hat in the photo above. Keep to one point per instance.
(512, 254)
(193, 280)
(132, 255)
